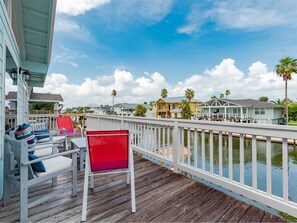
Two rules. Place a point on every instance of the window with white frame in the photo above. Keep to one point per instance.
(236, 111)
(259, 111)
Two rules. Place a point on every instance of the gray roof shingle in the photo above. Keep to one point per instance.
(177, 99)
(246, 103)
(132, 106)
(253, 103)
(12, 95)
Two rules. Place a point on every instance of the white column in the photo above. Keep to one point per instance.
(241, 114)
(21, 98)
(209, 113)
(225, 115)
(56, 108)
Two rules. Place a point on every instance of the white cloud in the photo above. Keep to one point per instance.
(236, 14)
(258, 81)
(9, 85)
(98, 90)
(120, 14)
(78, 7)
(69, 26)
(68, 56)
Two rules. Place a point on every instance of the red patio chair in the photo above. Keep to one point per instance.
(65, 126)
(108, 152)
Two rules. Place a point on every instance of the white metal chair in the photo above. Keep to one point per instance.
(108, 152)
(23, 176)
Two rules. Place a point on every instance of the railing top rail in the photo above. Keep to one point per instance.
(244, 128)
(276, 131)
(41, 115)
(145, 120)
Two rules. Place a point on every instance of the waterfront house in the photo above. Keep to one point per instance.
(241, 110)
(169, 107)
(54, 99)
(128, 109)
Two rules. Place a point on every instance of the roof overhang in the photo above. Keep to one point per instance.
(34, 26)
(160, 100)
(218, 103)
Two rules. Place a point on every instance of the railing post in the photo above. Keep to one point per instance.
(122, 122)
(176, 146)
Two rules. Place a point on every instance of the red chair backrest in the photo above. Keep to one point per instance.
(65, 122)
(108, 149)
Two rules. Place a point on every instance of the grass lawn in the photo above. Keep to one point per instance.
(292, 123)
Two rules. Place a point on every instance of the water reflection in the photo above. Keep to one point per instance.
(276, 162)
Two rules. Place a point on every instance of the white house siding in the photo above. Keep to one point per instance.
(149, 113)
(278, 112)
(2, 110)
(7, 40)
(22, 100)
(268, 118)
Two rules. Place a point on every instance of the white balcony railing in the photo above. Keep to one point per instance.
(229, 116)
(250, 160)
(50, 119)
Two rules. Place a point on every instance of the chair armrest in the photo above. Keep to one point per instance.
(49, 143)
(38, 147)
(51, 156)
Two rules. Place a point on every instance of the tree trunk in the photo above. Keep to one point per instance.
(286, 98)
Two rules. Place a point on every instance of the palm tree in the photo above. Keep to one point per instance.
(285, 69)
(189, 93)
(278, 102)
(227, 93)
(113, 94)
(213, 97)
(164, 93)
(151, 103)
(80, 110)
(140, 110)
(221, 95)
(184, 105)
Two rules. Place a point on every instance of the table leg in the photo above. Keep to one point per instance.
(82, 158)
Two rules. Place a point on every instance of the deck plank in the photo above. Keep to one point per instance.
(235, 213)
(153, 210)
(161, 196)
(253, 214)
(103, 195)
(213, 213)
(183, 208)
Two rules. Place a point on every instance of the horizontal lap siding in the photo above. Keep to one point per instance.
(2, 113)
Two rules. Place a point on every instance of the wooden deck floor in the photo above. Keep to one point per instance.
(161, 196)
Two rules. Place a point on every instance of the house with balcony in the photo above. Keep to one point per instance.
(241, 110)
(53, 100)
(128, 109)
(169, 107)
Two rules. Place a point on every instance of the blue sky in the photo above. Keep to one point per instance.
(139, 47)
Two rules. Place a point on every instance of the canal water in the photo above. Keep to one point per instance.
(151, 140)
(276, 162)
